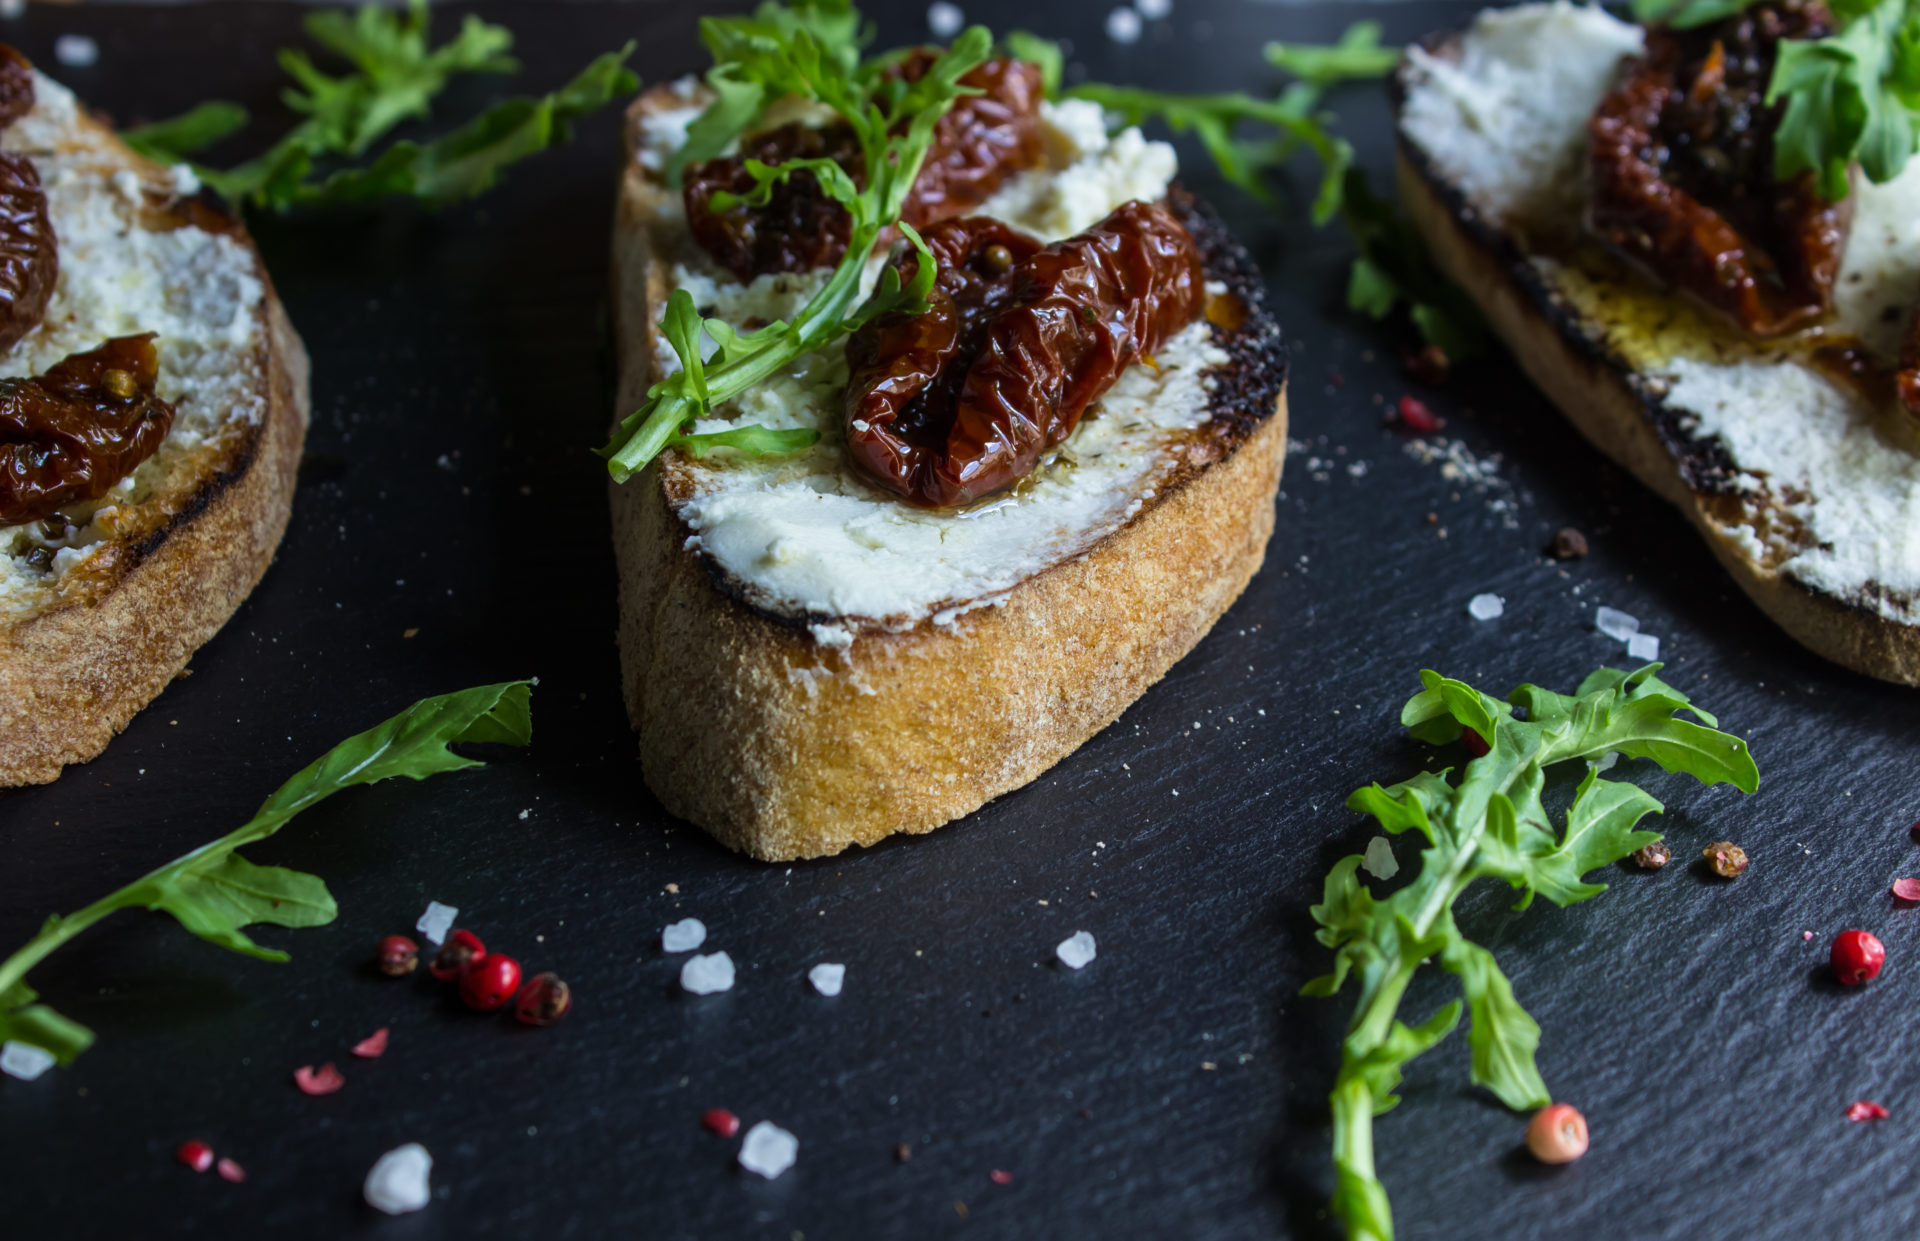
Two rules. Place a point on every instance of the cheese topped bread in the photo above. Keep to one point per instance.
(104, 600)
(813, 661)
(1789, 450)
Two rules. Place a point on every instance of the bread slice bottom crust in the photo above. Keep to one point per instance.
(1599, 394)
(73, 676)
(784, 749)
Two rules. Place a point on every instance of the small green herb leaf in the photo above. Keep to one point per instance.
(1357, 56)
(171, 141)
(1502, 1036)
(756, 441)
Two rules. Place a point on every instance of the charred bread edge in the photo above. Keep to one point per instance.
(1614, 407)
(784, 749)
(73, 675)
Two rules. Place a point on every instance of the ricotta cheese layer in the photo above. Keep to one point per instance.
(805, 536)
(1831, 475)
(120, 275)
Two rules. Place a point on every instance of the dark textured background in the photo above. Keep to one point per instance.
(460, 373)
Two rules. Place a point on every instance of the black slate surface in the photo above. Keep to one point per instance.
(461, 372)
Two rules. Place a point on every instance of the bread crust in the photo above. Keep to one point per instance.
(740, 734)
(73, 674)
(1615, 408)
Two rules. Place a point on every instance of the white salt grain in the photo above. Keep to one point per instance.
(769, 1150)
(10, 9)
(708, 974)
(1379, 860)
(1618, 625)
(1075, 951)
(944, 19)
(827, 979)
(1643, 646)
(76, 51)
(398, 1182)
(1153, 10)
(683, 936)
(436, 922)
(1123, 26)
(24, 1060)
(1486, 607)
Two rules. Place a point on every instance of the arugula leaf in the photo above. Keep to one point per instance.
(1025, 45)
(1686, 14)
(396, 73)
(812, 51)
(1357, 56)
(1487, 822)
(215, 893)
(171, 141)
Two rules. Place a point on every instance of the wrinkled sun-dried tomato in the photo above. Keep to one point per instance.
(1683, 181)
(74, 432)
(956, 403)
(16, 85)
(981, 140)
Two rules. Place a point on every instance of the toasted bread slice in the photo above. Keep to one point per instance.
(1800, 471)
(97, 618)
(921, 676)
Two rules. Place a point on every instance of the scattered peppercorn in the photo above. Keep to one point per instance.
(1557, 1134)
(1474, 743)
(544, 1001)
(999, 1176)
(1415, 416)
(397, 956)
(1653, 856)
(998, 259)
(719, 1120)
(490, 982)
(462, 949)
(195, 1154)
(118, 383)
(902, 1153)
(231, 1171)
(1431, 366)
(1728, 860)
(1568, 544)
(1866, 1109)
(1857, 957)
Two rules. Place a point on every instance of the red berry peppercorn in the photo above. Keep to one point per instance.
(1557, 1134)
(397, 956)
(1857, 957)
(488, 983)
(1415, 416)
(544, 1001)
(719, 1120)
(462, 949)
(1475, 744)
(195, 1154)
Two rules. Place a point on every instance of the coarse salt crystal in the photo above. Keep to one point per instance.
(1123, 26)
(1076, 950)
(705, 975)
(1379, 860)
(944, 19)
(1643, 646)
(1486, 607)
(1618, 625)
(76, 51)
(398, 1182)
(1153, 10)
(827, 979)
(25, 1061)
(769, 1150)
(683, 936)
(436, 922)
(11, 9)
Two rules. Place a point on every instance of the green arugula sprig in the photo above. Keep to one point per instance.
(214, 892)
(809, 50)
(1488, 823)
(396, 74)
(1853, 97)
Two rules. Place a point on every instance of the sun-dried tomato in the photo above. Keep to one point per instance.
(980, 141)
(16, 85)
(74, 432)
(954, 404)
(1683, 181)
(29, 257)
